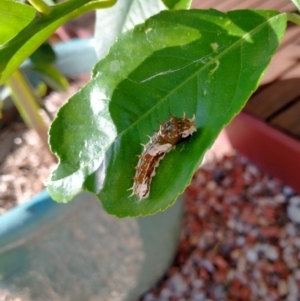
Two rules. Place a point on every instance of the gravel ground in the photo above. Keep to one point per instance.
(240, 240)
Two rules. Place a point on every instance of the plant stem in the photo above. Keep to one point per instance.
(25, 101)
(41, 6)
(97, 5)
(295, 18)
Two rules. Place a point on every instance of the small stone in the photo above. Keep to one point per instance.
(199, 297)
(297, 274)
(262, 221)
(291, 297)
(254, 232)
(291, 229)
(228, 165)
(295, 201)
(197, 283)
(296, 242)
(211, 185)
(186, 269)
(251, 255)
(292, 285)
(178, 284)
(208, 265)
(235, 254)
(231, 275)
(262, 290)
(257, 275)
(165, 293)
(149, 297)
(17, 140)
(290, 260)
(241, 264)
(280, 198)
(200, 178)
(253, 288)
(240, 241)
(293, 213)
(256, 188)
(231, 224)
(219, 292)
(201, 243)
(271, 185)
(288, 191)
(283, 243)
(227, 182)
(282, 287)
(240, 227)
(253, 169)
(271, 252)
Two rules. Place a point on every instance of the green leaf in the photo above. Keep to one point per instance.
(30, 30)
(177, 4)
(201, 62)
(297, 3)
(16, 13)
(44, 54)
(52, 76)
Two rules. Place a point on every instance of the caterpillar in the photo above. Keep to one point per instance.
(168, 135)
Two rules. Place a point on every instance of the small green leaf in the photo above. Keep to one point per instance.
(41, 89)
(43, 55)
(52, 76)
(177, 4)
(199, 62)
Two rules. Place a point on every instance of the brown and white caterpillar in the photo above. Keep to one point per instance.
(169, 134)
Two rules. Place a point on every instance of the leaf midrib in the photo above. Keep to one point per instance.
(195, 74)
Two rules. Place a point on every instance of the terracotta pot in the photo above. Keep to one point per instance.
(267, 147)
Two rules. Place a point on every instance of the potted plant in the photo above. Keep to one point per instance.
(33, 233)
(177, 65)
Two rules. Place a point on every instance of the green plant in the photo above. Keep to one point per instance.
(201, 62)
(27, 96)
(32, 25)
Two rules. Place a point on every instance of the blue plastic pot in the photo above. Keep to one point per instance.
(77, 252)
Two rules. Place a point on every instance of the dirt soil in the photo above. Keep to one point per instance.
(25, 163)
